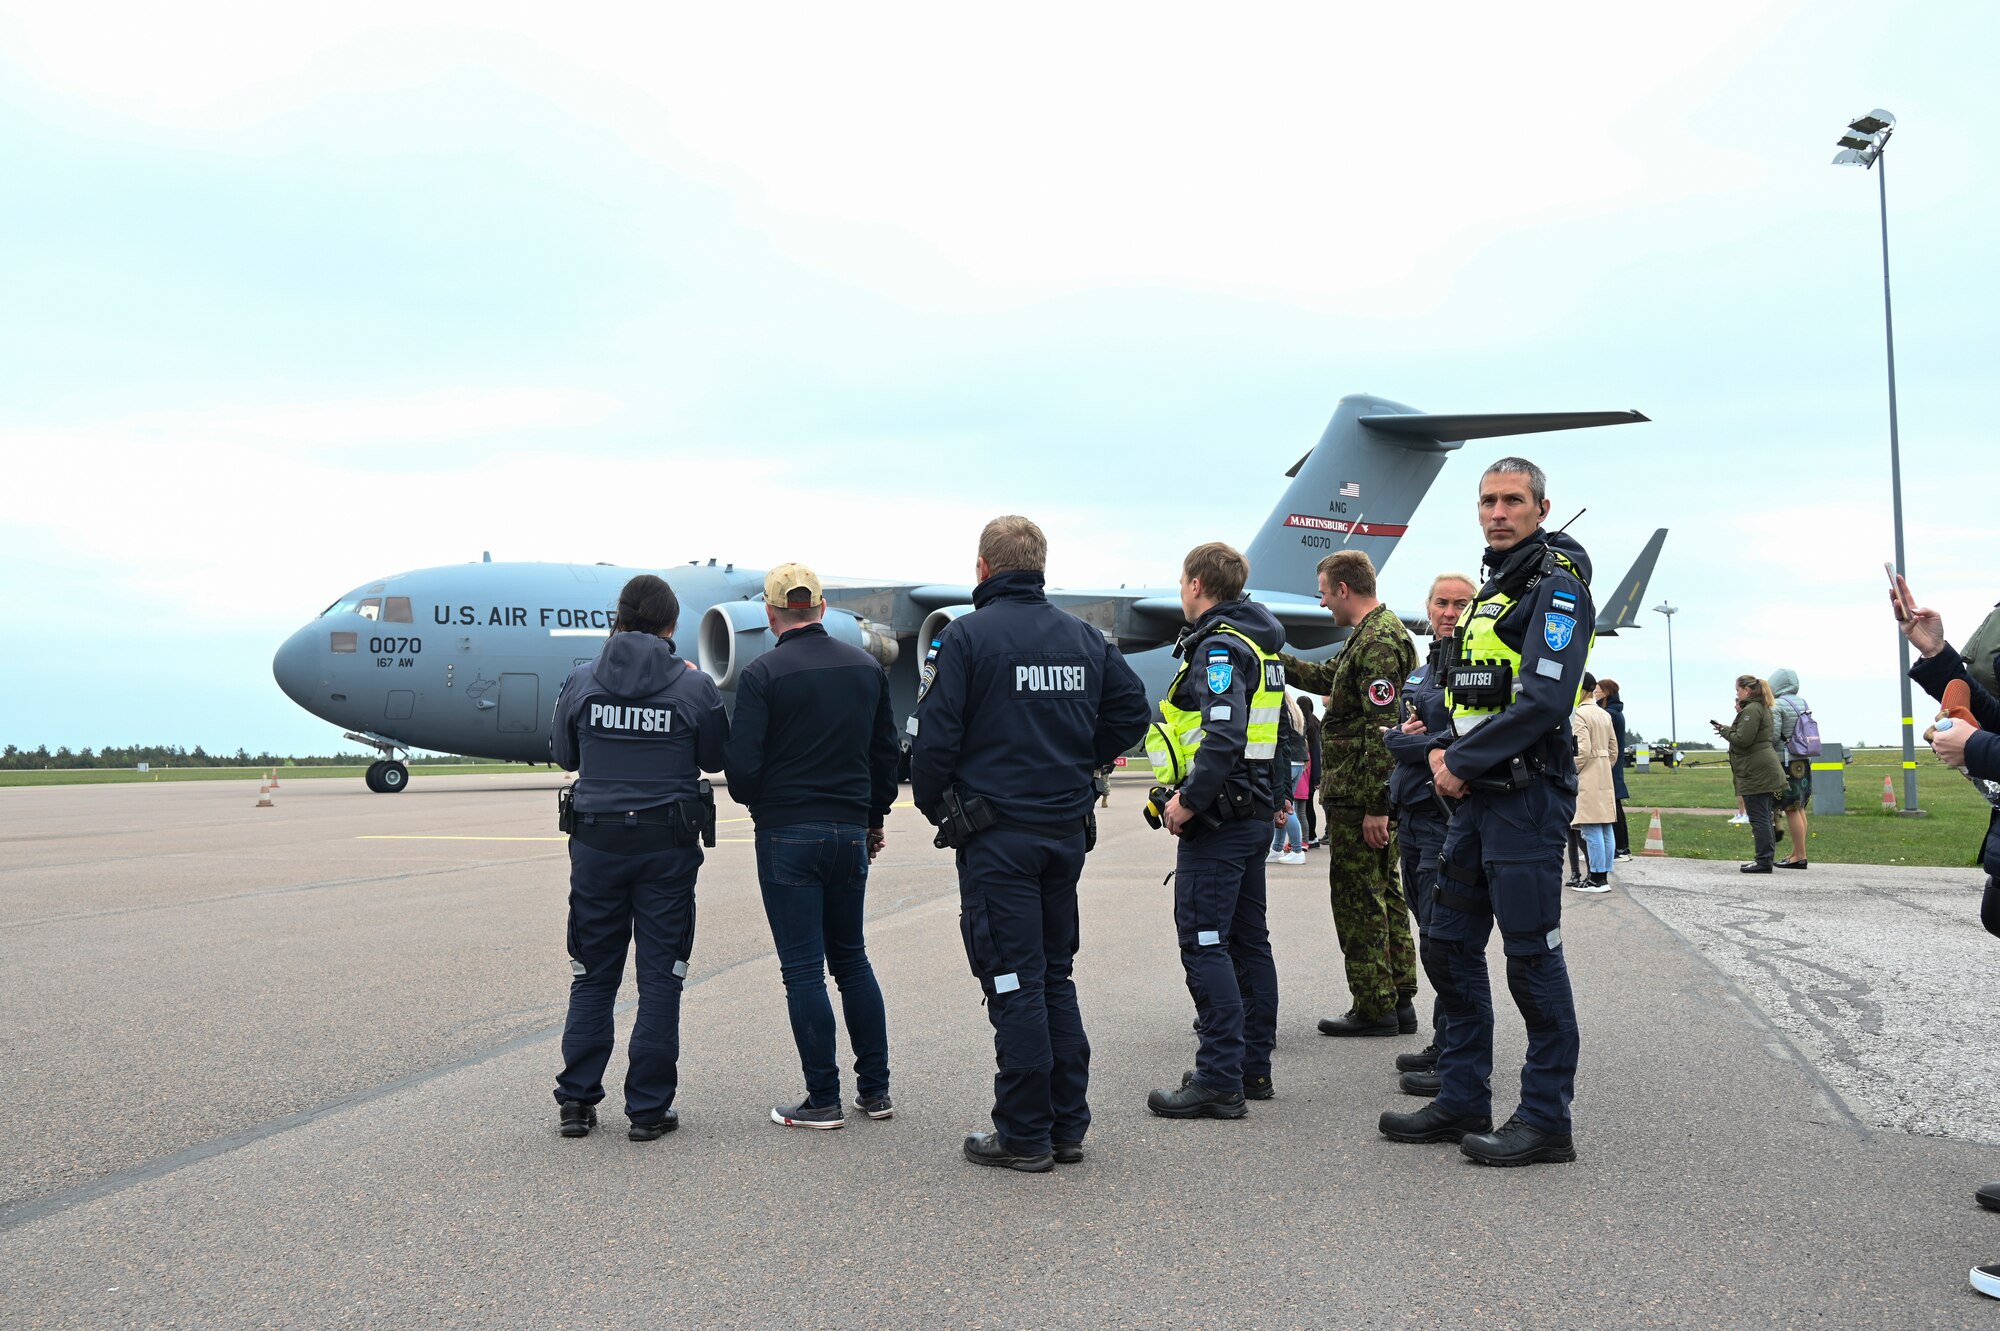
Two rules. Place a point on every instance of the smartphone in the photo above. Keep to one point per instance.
(1902, 602)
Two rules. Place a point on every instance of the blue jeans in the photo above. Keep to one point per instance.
(1597, 841)
(815, 879)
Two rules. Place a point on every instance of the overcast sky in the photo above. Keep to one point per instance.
(291, 300)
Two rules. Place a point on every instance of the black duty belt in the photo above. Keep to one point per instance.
(1068, 827)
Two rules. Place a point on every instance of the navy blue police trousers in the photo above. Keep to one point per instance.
(1420, 839)
(1502, 864)
(1226, 950)
(1018, 918)
(627, 883)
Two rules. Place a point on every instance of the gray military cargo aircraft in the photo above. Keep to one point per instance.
(468, 658)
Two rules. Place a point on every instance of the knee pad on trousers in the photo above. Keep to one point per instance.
(1520, 983)
(1437, 955)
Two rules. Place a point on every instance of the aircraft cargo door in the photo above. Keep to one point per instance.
(520, 704)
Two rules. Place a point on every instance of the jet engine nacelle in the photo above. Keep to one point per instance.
(735, 633)
(934, 624)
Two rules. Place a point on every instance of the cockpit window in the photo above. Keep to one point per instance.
(395, 610)
(370, 608)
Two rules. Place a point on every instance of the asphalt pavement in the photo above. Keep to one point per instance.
(292, 1067)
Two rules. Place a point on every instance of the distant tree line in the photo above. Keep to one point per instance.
(13, 759)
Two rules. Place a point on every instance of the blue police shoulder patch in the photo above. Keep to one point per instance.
(1557, 630)
(1219, 675)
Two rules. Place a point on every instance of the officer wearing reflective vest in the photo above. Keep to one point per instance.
(1421, 816)
(1215, 744)
(1509, 763)
(1020, 705)
(639, 726)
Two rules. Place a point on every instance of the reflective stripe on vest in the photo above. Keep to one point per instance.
(1173, 741)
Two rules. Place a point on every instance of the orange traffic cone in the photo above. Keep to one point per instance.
(1889, 794)
(1656, 840)
(264, 796)
(274, 778)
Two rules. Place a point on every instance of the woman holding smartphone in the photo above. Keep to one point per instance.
(1754, 765)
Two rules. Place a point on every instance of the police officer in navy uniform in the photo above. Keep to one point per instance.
(1420, 815)
(1020, 704)
(1509, 762)
(638, 725)
(1218, 736)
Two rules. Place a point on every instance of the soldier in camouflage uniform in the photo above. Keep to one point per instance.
(1363, 687)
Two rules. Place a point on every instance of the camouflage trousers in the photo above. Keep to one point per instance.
(1369, 916)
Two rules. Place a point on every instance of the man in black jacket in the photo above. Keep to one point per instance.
(1020, 703)
(812, 754)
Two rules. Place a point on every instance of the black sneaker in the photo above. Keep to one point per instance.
(1424, 1060)
(1406, 1017)
(1194, 1100)
(1258, 1088)
(1988, 1196)
(984, 1148)
(806, 1114)
(1518, 1144)
(876, 1106)
(1351, 1022)
(1418, 1083)
(658, 1128)
(576, 1117)
(1068, 1153)
(1432, 1124)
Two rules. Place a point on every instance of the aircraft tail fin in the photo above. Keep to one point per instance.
(1620, 610)
(1360, 485)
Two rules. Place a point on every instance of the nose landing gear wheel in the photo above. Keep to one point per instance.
(392, 778)
(374, 776)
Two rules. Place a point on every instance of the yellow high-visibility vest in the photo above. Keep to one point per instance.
(1173, 741)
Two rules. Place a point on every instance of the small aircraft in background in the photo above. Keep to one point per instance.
(468, 658)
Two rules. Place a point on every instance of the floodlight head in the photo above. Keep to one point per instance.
(1873, 123)
(1855, 141)
(1665, 609)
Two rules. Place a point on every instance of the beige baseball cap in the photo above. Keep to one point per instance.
(794, 586)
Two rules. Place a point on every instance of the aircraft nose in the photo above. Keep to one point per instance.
(296, 668)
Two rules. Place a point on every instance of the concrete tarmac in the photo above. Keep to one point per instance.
(292, 1067)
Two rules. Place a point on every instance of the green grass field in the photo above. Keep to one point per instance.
(121, 776)
(1948, 838)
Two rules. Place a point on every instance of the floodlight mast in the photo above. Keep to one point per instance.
(1862, 145)
(1673, 709)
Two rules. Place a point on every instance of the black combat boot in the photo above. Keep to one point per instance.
(655, 1129)
(1518, 1144)
(577, 1118)
(984, 1148)
(1194, 1100)
(1258, 1088)
(1419, 1083)
(1432, 1124)
(1351, 1022)
(1068, 1153)
(1424, 1060)
(1406, 1012)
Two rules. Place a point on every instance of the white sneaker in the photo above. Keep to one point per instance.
(1275, 857)
(1986, 1279)
(1740, 820)
(1294, 857)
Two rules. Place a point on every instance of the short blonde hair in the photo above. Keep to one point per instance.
(1222, 570)
(1431, 595)
(1013, 544)
(1352, 567)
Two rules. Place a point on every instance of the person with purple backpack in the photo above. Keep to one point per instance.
(1796, 736)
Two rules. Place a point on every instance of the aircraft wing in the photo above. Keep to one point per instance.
(1620, 610)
